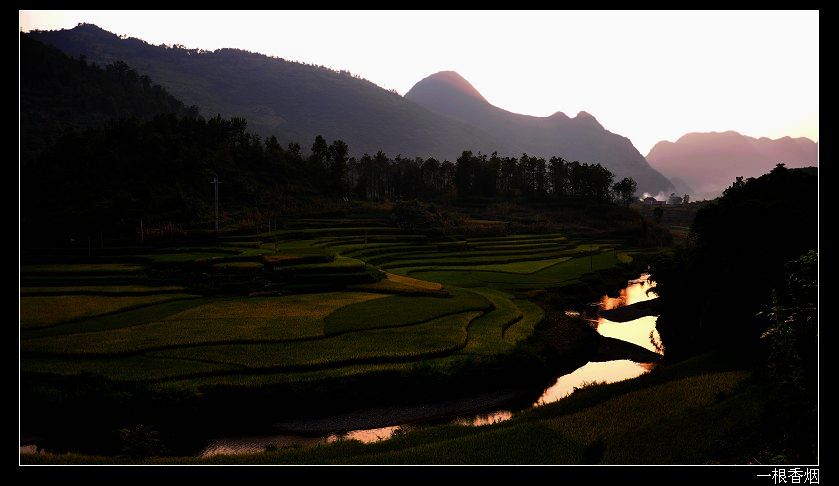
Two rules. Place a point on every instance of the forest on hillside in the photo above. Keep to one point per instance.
(161, 170)
(103, 148)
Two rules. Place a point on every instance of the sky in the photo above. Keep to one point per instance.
(646, 75)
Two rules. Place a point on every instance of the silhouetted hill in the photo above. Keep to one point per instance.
(813, 171)
(709, 162)
(58, 92)
(291, 100)
(297, 101)
(580, 138)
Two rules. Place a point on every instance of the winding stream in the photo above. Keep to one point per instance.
(640, 331)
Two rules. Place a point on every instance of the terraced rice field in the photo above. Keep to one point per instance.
(301, 303)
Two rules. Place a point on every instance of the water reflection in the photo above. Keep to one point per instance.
(640, 331)
(485, 418)
(593, 372)
(634, 292)
(256, 444)
(366, 436)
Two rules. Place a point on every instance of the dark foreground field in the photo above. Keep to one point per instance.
(701, 411)
(237, 333)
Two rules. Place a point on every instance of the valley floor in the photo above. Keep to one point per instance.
(700, 411)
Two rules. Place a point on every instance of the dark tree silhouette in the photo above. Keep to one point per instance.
(658, 214)
(625, 190)
(713, 290)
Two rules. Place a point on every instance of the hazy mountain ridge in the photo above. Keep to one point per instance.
(293, 101)
(296, 101)
(580, 138)
(710, 161)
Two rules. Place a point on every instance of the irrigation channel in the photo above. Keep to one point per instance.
(641, 332)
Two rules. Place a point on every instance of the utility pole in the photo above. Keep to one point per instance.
(216, 183)
(590, 257)
(141, 231)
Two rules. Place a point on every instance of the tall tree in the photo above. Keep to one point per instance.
(625, 190)
(337, 155)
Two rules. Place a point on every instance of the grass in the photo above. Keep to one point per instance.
(551, 276)
(624, 257)
(423, 284)
(486, 335)
(434, 337)
(339, 264)
(294, 259)
(184, 257)
(399, 310)
(442, 303)
(517, 237)
(81, 268)
(480, 256)
(124, 318)
(44, 311)
(267, 378)
(129, 368)
(472, 257)
(679, 414)
(524, 267)
(680, 398)
(102, 290)
(214, 320)
(238, 265)
(523, 328)
(399, 284)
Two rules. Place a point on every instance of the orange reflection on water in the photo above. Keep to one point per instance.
(640, 331)
(485, 418)
(593, 372)
(366, 436)
(635, 291)
(255, 444)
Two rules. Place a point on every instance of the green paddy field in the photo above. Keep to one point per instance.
(293, 304)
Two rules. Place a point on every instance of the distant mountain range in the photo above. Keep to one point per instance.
(580, 138)
(709, 162)
(441, 116)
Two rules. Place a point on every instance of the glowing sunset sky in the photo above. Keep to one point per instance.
(649, 76)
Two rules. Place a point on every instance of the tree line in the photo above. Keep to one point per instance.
(380, 177)
(160, 169)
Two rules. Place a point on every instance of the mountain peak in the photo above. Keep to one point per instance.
(578, 138)
(710, 161)
(87, 28)
(448, 80)
(588, 119)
